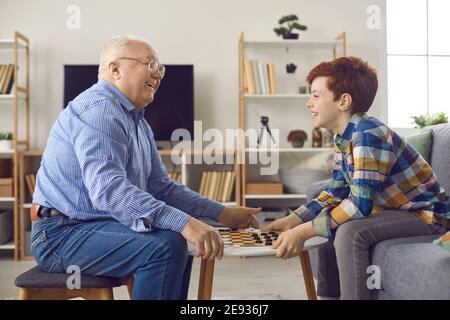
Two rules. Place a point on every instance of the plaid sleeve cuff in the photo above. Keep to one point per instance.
(304, 213)
(321, 224)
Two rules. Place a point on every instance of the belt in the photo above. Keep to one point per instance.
(37, 211)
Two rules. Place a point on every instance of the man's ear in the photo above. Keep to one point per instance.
(345, 102)
(113, 68)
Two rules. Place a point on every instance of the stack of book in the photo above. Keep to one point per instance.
(259, 77)
(217, 185)
(175, 176)
(30, 180)
(6, 78)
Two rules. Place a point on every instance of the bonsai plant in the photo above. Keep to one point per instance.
(6, 140)
(297, 138)
(427, 120)
(291, 23)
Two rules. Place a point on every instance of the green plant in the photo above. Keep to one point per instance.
(426, 120)
(6, 135)
(290, 24)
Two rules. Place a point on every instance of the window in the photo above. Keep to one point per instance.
(418, 59)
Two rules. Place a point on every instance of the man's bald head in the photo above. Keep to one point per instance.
(125, 62)
(120, 46)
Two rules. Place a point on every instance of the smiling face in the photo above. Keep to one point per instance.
(131, 75)
(325, 112)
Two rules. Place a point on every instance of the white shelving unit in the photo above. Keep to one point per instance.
(7, 246)
(277, 96)
(275, 196)
(290, 150)
(7, 199)
(274, 103)
(20, 96)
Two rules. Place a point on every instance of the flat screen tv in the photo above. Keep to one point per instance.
(172, 108)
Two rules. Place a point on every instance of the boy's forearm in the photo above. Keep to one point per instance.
(306, 230)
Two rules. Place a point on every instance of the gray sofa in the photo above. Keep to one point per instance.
(413, 267)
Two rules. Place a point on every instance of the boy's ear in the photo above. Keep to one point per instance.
(345, 102)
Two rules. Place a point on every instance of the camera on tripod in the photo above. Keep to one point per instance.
(265, 129)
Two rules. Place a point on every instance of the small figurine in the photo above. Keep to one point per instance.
(328, 139)
(297, 138)
(317, 138)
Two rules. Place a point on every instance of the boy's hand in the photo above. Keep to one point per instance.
(290, 243)
(283, 224)
(239, 217)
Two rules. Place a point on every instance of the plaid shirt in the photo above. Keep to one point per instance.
(374, 170)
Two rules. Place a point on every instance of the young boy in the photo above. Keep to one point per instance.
(375, 170)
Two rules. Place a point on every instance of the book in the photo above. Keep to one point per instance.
(256, 77)
(33, 180)
(11, 82)
(219, 190)
(212, 184)
(30, 185)
(3, 68)
(265, 78)
(201, 187)
(207, 183)
(231, 186)
(223, 196)
(261, 78)
(271, 72)
(7, 78)
(248, 71)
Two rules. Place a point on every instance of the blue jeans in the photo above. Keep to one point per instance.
(158, 259)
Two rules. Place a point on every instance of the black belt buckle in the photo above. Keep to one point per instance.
(44, 212)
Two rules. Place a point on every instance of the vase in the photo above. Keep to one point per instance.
(298, 144)
(290, 36)
(6, 145)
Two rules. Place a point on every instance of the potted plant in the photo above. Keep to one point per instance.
(6, 141)
(297, 138)
(290, 23)
(427, 120)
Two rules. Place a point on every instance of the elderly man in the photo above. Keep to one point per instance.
(103, 200)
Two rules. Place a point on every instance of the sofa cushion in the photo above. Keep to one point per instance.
(421, 141)
(412, 268)
(316, 188)
(440, 154)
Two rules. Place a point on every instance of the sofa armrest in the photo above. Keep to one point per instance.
(316, 188)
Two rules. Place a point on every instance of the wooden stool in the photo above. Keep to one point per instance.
(37, 285)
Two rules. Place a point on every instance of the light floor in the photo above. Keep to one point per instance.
(234, 278)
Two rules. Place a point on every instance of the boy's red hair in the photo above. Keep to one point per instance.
(349, 75)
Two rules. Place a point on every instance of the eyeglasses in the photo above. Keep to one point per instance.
(152, 66)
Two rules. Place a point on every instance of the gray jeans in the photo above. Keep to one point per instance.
(342, 264)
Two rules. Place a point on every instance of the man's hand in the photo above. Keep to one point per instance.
(207, 241)
(283, 224)
(290, 243)
(239, 217)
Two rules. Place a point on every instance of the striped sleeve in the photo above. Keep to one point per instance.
(336, 191)
(179, 196)
(373, 160)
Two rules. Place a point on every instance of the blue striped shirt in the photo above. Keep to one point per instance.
(101, 161)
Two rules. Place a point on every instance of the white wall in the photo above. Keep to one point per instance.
(200, 32)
